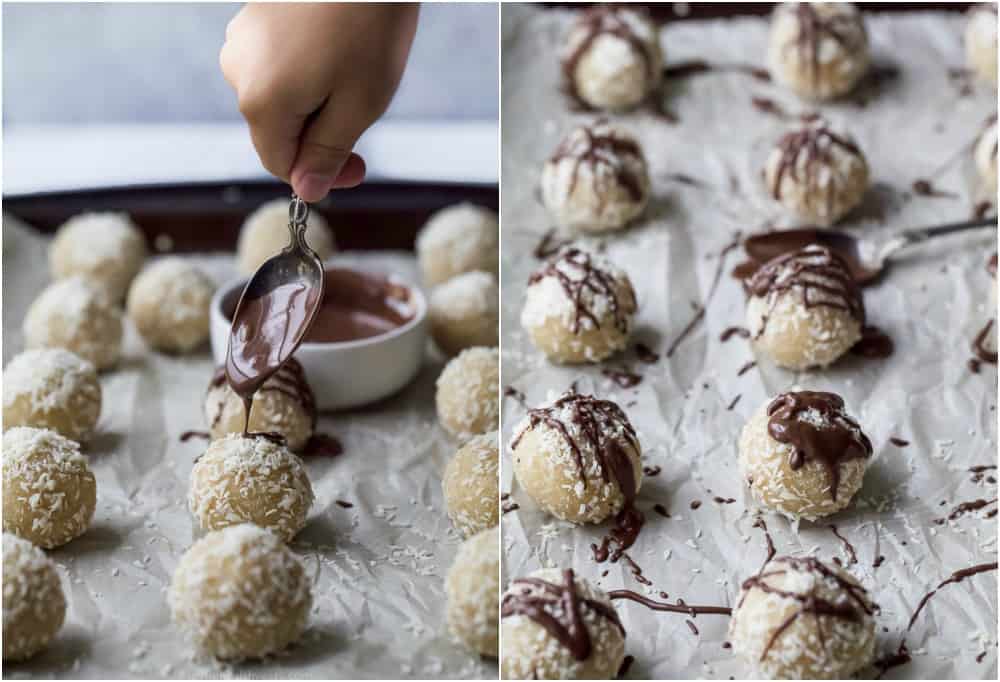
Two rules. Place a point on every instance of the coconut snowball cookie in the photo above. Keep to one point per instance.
(612, 58)
(819, 50)
(472, 485)
(578, 307)
(596, 180)
(803, 456)
(459, 238)
(51, 388)
(986, 157)
(168, 304)
(49, 493)
(468, 393)
(805, 309)
(284, 405)
(981, 41)
(250, 479)
(578, 458)
(473, 589)
(34, 606)
(465, 312)
(817, 173)
(799, 619)
(106, 248)
(240, 593)
(556, 626)
(265, 233)
(77, 315)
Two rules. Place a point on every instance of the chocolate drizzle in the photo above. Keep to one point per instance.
(596, 22)
(579, 278)
(836, 439)
(289, 379)
(982, 353)
(679, 607)
(602, 146)
(812, 29)
(874, 343)
(809, 150)
(823, 277)
(853, 610)
(558, 609)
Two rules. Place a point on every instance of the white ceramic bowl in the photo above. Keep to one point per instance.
(344, 374)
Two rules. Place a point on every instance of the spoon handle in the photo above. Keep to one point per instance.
(916, 236)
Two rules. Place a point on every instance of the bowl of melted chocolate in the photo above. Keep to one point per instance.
(366, 342)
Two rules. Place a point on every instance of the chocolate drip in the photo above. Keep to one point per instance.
(924, 188)
(602, 148)
(323, 445)
(188, 435)
(723, 500)
(549, 245)
(696, 67)
(289, 379)
(759, 523)
(558, 609)
(899, 442)
(838, 440)
(628, 524)
(679, 607)
(345, 505)
(813, 29)
(964, 507)
(874, 343)
(598, 21)
(626, 664)
(852, 556)
(700, 309)
(733, 402)
(652, 471)
(646, 354)
(982, 353)
(746, 368)
(730, 332)
(821, 274)
(810, 603)
(511, 392)
(591, 279)
(991, 265)
(816, 142)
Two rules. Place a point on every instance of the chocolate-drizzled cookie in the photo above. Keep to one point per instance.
(600, 145)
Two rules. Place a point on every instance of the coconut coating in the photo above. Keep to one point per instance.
(468, 393)
(981, 41)
(465, 312)
(817, 172)
(811, 646)
(596, 180)
(106, 248)
(49, 492)
(819, 50)
(986, 157)
(250, 479)
(546, 466)
(613, 58)
(77, 315)
(169, 302)
(472, 485)
(52, 388)
(765, 465)
(529, 651)
(34, 606)
(579, 307)
(456, 239)
(239, 592)
(473, 590)
(265, 234)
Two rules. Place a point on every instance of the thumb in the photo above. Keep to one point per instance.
(324, 159)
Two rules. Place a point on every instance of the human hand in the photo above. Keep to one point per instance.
(310, 78)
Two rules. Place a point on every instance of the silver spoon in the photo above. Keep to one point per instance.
(866, 260)
(275, 310)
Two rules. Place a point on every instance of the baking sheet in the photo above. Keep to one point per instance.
(380, 565)
(932, 305)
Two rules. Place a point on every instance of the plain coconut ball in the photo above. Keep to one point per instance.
(986, 157)
(802, 455)
(578, 458)
(805, 309)
(106, 248)
(240, 593)
(472, 485)
(473, 591)
(468, 393)
(51, 388)
(284, 405)
(265, 233)
(49, 493)
(76, 315)
(981, 41)
(819, 50)
(612, 58)
(465, 312)
(34, 606)
(169, 304)
(529, 649)
(799, 619)
(456, 239)
(579, 307)
(596, 180)
(250, 479)
(817, 173)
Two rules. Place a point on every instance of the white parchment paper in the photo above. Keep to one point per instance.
(932, 304)
(379, 598)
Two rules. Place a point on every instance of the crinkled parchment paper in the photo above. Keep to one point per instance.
(379, 597)
(932, 304)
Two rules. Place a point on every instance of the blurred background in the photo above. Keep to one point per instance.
(99, 94)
